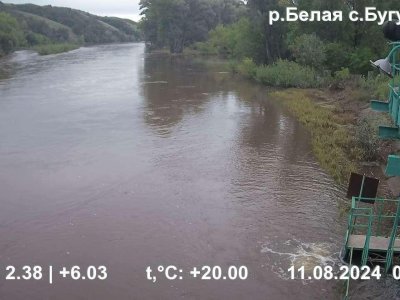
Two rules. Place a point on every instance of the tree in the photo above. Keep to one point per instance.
(179, 23)
(309, 50)
(11, 35)
(238, 41)
(274, 43)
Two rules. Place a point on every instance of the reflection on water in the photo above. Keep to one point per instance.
(4, 72)
(111, 156)
(173, 88)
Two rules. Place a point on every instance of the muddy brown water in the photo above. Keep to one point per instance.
(112, 156)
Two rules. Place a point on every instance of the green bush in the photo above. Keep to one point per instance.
(342, 75)
(55, 48)
(308, 50)
(337, 57)
(247, 68)
(34, 39)
(359, 60)
(366, 135)
(239, 40)
(11, 35)
(374, 87)
(285, 73)
(205, 48)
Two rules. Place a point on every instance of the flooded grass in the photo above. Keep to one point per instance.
(55, 48)
(332, 142)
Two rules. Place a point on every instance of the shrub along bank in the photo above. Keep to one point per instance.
(282, 73)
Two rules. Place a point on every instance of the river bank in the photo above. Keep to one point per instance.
(51, 30)
(48, 49)
(55, 48)
(344, 134)
(336, 111)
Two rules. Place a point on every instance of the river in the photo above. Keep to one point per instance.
(112, 156)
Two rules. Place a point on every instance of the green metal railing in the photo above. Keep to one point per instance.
(393, 108)
(375, 214)
(368, 221)
(364, 257)
(346, 296)
(357, 212)
(392, 242)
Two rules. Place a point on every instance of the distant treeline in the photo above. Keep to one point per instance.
(240, 29)
(179, 23)
(29, 25)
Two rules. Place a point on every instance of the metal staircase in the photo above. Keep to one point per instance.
(369, 217)
(366, 242)
(364, 231)
(392, 242)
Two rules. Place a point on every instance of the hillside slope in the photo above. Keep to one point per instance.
(46, 25)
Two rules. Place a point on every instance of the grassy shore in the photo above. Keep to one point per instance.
(335, 109)
(332, 141)
(344, 132)
(55, 48)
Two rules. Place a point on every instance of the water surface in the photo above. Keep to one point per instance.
(111, 156)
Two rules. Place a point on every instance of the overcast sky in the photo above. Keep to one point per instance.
(118, 8)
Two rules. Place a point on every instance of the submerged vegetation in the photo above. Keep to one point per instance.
(343, 139)
(55, 48)
(56, 29)
(332, 142)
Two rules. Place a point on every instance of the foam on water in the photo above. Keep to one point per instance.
(300, 254)
(155, 82)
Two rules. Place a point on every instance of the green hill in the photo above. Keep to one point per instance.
(29, 25)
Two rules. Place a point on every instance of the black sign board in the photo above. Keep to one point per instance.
(370, 188)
